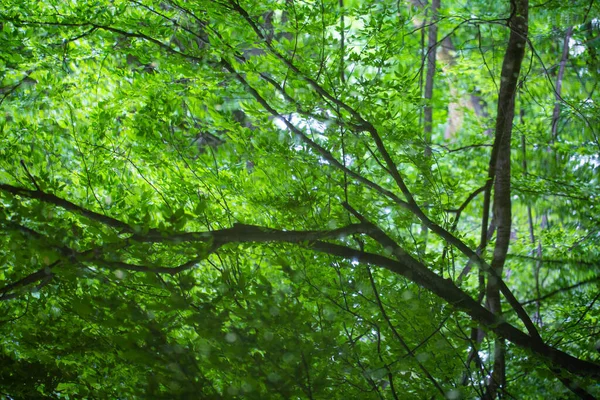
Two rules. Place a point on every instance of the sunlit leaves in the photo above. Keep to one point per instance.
(125, 108)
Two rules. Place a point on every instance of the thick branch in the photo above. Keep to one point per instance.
(39, 275)
(241, 233)
(415, 271)
(410, 204)
(67, 205)
(237, 234)
(406, 266)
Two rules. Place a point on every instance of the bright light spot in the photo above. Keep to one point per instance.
(483, 356)
(231, 337)
(119, 274)
(575, 47)
(348, 160)
(280, 124)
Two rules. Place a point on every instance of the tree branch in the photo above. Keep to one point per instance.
(418, 273)
(67, 205)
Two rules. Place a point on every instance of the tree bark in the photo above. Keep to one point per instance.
(500, 165)
(404, 265)
(431, 58)
(428, 94)
(559, 81)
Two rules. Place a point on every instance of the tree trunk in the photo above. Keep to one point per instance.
(500, 165)
(559, 80)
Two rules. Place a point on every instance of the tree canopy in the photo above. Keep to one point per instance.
(299, 199)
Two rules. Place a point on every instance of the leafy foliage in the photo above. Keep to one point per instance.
(234, 199)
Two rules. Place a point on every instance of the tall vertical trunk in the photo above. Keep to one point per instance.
(431, 59)
(500, 169)
(428, 94)
(559, 80)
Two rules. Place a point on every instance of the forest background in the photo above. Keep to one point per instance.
(299, 199)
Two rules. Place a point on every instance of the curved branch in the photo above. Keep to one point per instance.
(406, 266)
(67, 205)
(410, 204)
(418, 273)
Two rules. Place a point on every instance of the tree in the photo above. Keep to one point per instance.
(235, 199)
